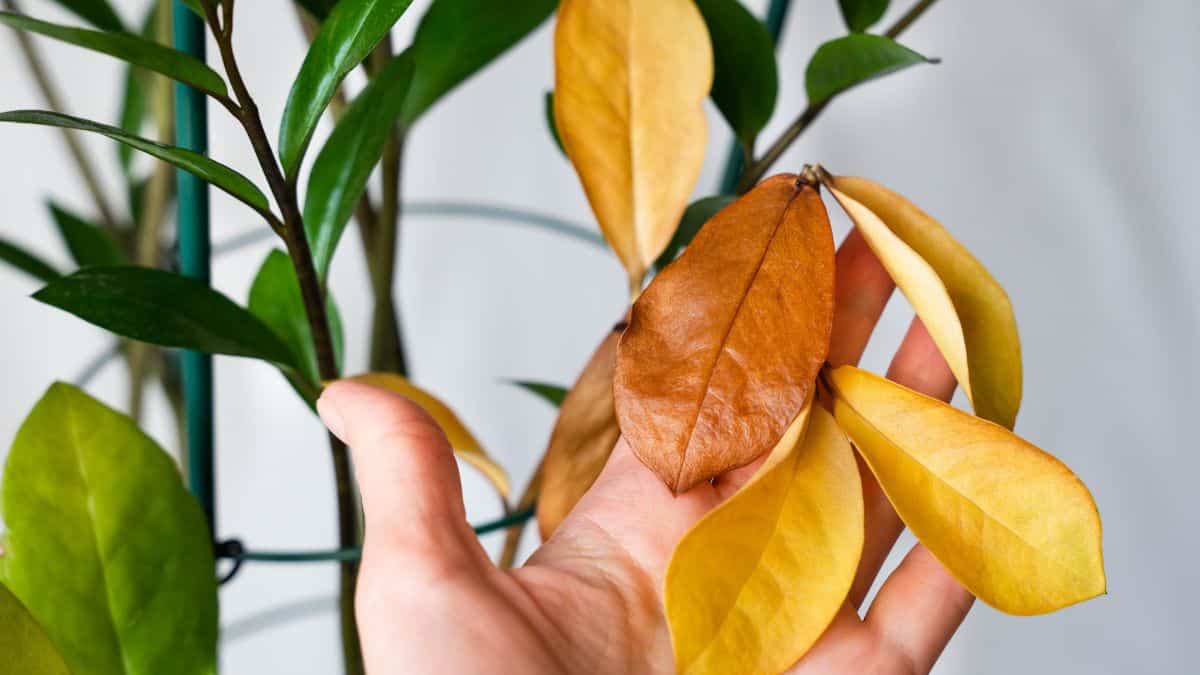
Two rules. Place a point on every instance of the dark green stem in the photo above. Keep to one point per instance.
(296, 240)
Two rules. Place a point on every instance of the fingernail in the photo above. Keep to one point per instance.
(331, 416)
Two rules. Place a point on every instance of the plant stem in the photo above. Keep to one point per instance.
(54, 102)
(296, 240)
(759, 167)
(387, 339)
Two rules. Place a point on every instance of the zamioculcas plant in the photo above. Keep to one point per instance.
(721, 365)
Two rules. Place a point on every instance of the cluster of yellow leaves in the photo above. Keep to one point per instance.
(722, 361)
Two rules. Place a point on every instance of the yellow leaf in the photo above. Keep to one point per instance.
(966, 311)
(466, 448)
(754, 584)
(1012, 523)
(583, 438)
(631, 77)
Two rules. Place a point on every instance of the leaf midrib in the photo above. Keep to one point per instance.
(76, 445)
(729, 331)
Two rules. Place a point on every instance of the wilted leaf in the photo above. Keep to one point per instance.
(165, 309)
(89, 244)
(862, 14)
(723, 346)
(105, 547)
(847, 61)
(754, 584)
(195, 163)
(457, 38)
(745, 81)
(275, 299)
(550, 393)
(346, 37)
(631, 77)
(584, 436)
(1012, 523)
(340, 173)
(130, 48)
(466, 448)
(27, 262)
(697, 214)
(967, 313)
(96, 12)
(26, 648)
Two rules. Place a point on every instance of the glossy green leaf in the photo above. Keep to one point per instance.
(106, 548)
(206, 169)
(96, 12)
(697, 214)
(550, 393)
(26, 648)
(134, 101)
(457, 38)
(346, 38)
(862, 14)
(551, 125)
(131, 48)
(276, 300)
(340, 173)
(27, 262)
(848, 61)
(89, 244)
(745, 78)
(165, 309)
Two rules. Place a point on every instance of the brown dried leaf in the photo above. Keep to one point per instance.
(723, 346)
(583, 438)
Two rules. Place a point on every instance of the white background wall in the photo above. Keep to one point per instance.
(1057, 140)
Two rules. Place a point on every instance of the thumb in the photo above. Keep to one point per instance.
(406, 472)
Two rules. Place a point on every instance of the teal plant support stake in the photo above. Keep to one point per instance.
(191, 124)
(777, 13)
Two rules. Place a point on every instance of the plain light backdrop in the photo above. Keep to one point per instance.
(1057, 140)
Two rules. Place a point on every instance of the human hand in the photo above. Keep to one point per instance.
(588, 601)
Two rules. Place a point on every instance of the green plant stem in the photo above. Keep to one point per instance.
(760, 166)
(387, 337)
(296, 241)
(49, 91)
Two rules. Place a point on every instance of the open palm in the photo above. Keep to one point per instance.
(588, 601)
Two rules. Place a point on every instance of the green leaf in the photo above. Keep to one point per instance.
(847, 61)
(133, 96)
(697, 214)
(862, 14)
(346, 38)
(457, 38)
(206, 169)
(26, 648)
(131, 48)
(276, 300)
(89, 244)
(550, 393)
(551, 124)
(27, 262)
(745, 77)
(318, 8)
(106, 548)
(166, 309)
(340, 173)
(96, 12)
